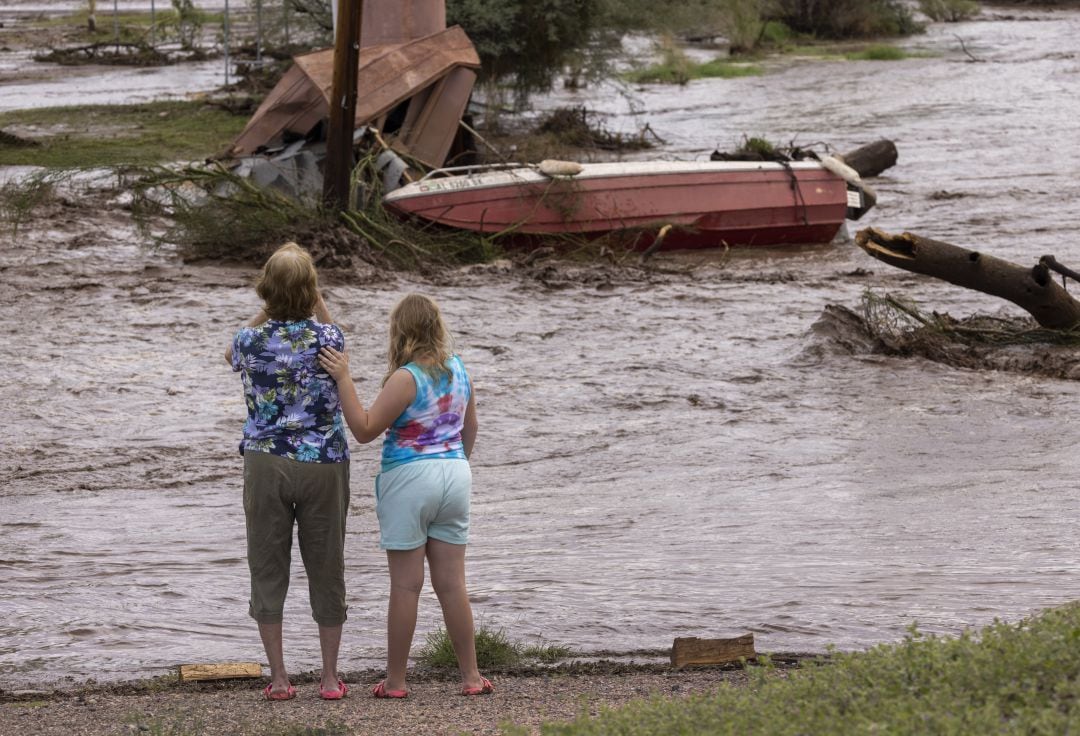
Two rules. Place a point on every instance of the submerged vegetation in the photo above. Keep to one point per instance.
(209, 212)
(1021, 678)
(676, 67)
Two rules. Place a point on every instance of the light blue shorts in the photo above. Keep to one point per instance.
(421, 499)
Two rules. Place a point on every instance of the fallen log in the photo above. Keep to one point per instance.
(692, 650)
(1032, 289)
(873, 158)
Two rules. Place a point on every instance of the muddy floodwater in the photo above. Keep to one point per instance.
(658, 457)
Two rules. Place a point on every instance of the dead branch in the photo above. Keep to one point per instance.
(963, 47)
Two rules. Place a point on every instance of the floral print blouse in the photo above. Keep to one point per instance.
(292, 403)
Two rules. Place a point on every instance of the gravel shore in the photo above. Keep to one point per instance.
(433, 707)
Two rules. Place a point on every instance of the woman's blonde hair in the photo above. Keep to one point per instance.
(288, 284)
(418, 333)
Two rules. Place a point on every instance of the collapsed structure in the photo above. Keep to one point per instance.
(414, 83)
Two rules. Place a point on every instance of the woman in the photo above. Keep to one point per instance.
(296, 461)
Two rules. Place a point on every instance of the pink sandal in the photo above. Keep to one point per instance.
(341, 692)
(269, 693)
(380, 691)
(486, 689)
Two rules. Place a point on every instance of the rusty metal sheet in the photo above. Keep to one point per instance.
(388, 75)
(429, 137)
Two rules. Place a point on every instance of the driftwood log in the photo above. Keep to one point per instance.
(1033, 289)
(692, 650)
(873, 158)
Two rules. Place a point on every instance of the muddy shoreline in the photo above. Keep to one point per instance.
(524, 696)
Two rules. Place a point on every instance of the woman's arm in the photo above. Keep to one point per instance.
(322, 314)
(257, 320)
(367, 424)
(468, 431)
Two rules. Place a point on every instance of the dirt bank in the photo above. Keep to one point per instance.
(434, 707)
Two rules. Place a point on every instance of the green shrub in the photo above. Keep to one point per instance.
(757, 146)
(1008, 679)
(776, 33)
(949, 11)
(846, 18)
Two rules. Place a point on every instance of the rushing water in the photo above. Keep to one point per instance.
(676, 456)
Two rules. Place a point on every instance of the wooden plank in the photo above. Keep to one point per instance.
(220, 671)
(692, 650)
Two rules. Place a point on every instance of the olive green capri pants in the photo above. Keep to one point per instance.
(279, 492)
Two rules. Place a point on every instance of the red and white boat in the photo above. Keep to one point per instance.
(706, 203)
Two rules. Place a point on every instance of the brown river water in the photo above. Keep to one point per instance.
(658, 457)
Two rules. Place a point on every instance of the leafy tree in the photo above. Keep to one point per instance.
(845, 18)
(950, 11)
(526, 43)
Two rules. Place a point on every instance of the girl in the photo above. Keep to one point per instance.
(428, 411)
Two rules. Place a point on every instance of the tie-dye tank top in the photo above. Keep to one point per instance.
(430, 427)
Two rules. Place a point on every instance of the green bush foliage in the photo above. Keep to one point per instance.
(525, 43)
(846, 18)
(1008, 679)
(949, 11)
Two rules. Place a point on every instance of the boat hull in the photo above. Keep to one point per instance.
(707, 204)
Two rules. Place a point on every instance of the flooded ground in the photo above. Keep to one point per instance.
(658, 457)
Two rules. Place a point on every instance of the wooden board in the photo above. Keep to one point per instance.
(692, 650)
(221, 671)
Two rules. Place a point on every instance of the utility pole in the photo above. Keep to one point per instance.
(339, 137)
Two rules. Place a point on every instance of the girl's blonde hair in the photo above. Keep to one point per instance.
(418, 333)
(288, 284)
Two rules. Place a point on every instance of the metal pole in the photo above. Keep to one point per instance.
(226, 34)
(339, 137)
(116, 25)
(258, 33)
(286, 6)
(153, 22)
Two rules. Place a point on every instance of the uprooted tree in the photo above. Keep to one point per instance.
(1033, 289)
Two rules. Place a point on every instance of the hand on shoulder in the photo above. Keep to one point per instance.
(335, 362)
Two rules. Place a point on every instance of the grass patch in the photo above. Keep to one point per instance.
(1019, 678)
(115, 135)
(683, 72)
(494, 649)
(878, 52)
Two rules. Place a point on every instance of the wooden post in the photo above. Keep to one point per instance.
(691, 650)
(339, 137)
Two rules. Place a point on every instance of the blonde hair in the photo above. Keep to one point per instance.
(418, 333)
(288, 284)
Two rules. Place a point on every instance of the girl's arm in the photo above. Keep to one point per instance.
(468, 431)
(367, 424)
